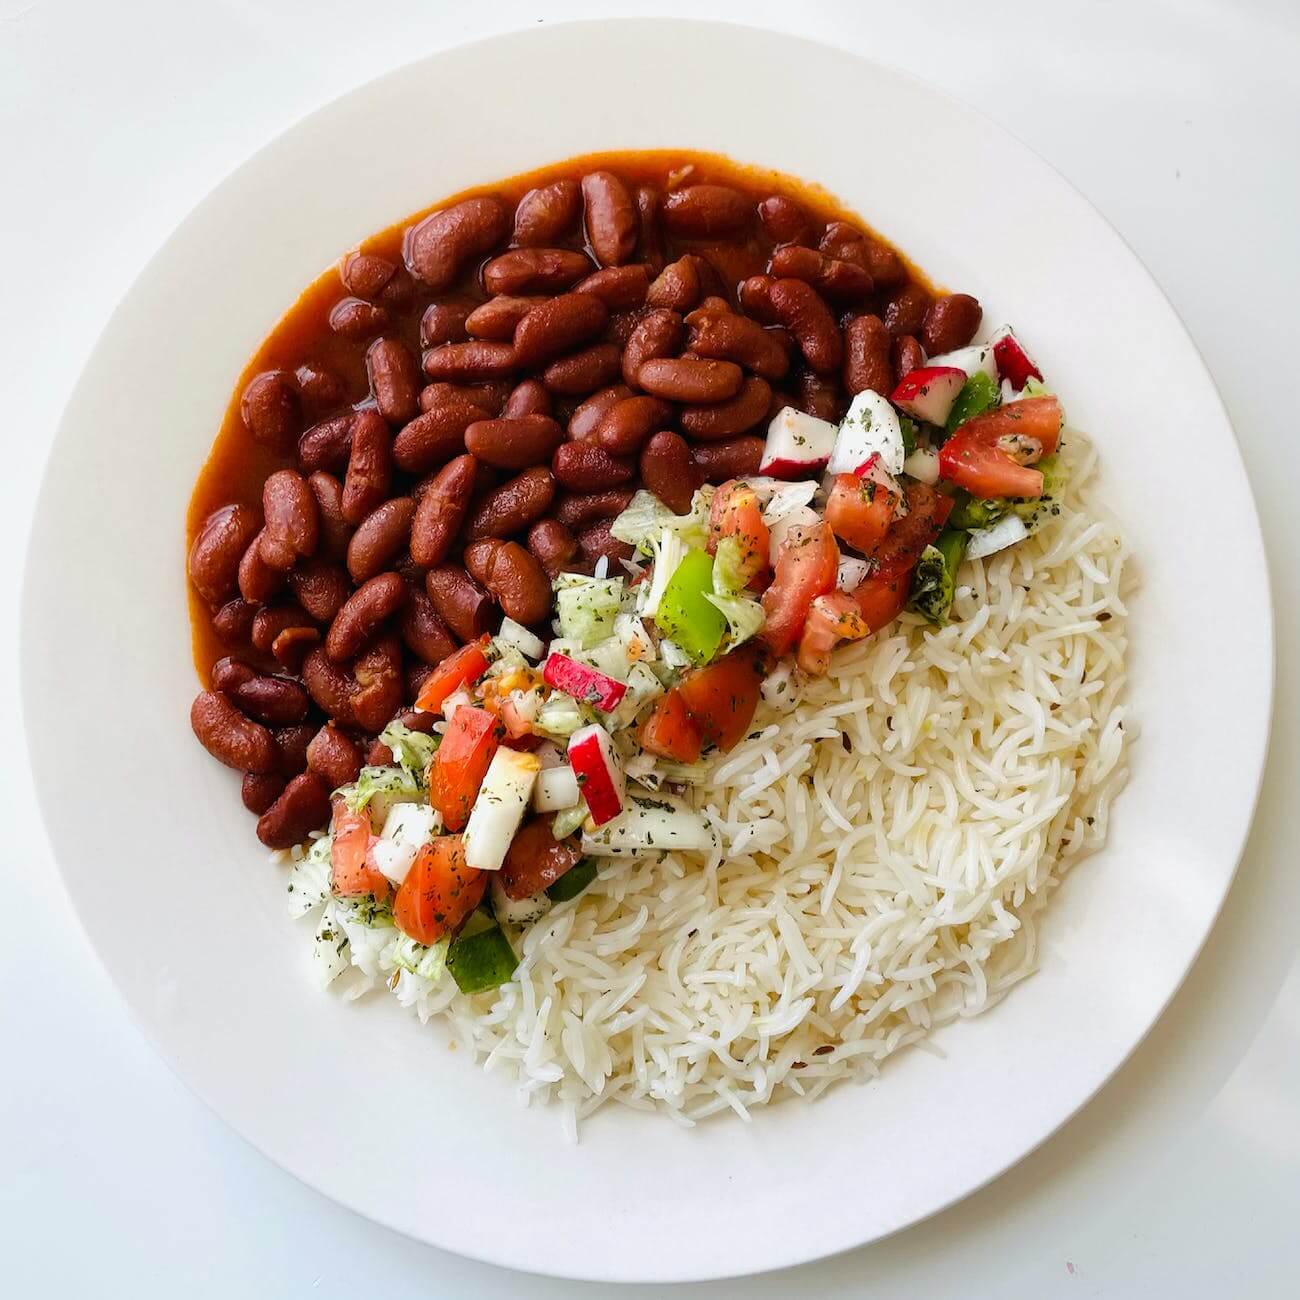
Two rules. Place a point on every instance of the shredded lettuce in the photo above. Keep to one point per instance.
(413, 750)
(309, 881)
(559, 716)
(394, 784)
(669, 550)
(568, 820)
(646, 517)
(744, 615)
(585, 607)
(728, 571)
(1036, 511)
(428, 963)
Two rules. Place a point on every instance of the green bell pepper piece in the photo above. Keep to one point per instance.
(969, 512)
(573, 882)
(483, 960)
(977, 395)
(694, 623)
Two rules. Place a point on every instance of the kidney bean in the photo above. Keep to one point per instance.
(726, 419)
(259, 790)
(784, 220)
(677, 286)
(950, 322)
(379, 754)
(289, 647)
(713, 305)
(690, 379)
(556, 326)
(908, 355)
(292, 526)
(291, 746)
(849, 244)
(820, 395)
(477, 359)
(365, 274)
(669, 471)
(354, 318)
(800, 308)
(648, 203)
(488, 396)
(322, 588)
(755, 297)
(258, 582)
(552, 544)
(274, 700)
(333, 757)
(423, 633)
(444, 322)
(658, 334)
(833, 278)
(320, 388)
(627, 424)
(218, 548)
(375, 600)
(418, 719)
(728, 336)
(230, 737)
(596, 541)
(496, 319)
(394, 379)
(527, 398)
(586, 419)
(583, 372)
(441, 511)
(459, 601)
(380, 538)
(435, 437)
(399, 292)
(335, 531)
(620, 288)
(440, 246)
(271, 620)
(866, 356)
(704, 211)
(513, 576)
(610, 218)
(229, 673)
(905, 312)
(514, 443)
(326, 445)
(303, 807)
(575, 512)
(587, 467)
(234, 621)
(535, 270)
(844, 241)
(269, 407)
(546, 214)
(370, 466)
(735, 458)
(330, 686)
(514, 505)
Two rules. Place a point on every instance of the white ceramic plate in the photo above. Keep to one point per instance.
(160, 859)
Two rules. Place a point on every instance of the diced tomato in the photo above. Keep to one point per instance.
(351, 875)
(473, 736)
(881, 597)
(468, 664)
(721, 698)
(992, 455)
(670, 731)
(910, 534)
(535, 860)
(439, 891)
(736, 513)
(831, 619)
(518, 719)
(862, 506)
(806, 565)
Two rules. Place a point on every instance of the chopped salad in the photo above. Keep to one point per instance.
(542, 759)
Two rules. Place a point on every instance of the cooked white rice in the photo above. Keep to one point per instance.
(890, 834)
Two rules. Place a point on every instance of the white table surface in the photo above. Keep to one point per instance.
(1179, 120)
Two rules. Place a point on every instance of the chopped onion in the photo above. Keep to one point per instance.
(923, 465)
(1007, 531)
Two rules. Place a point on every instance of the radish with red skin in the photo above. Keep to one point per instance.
(1014, 364)
(798, 445)
(595, 763)
(583, 682)
(870, 427)
(929, 392)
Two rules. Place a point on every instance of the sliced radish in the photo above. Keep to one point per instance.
(499, 809)
(971, 360)
(1007, 531)
(928, 392)
(406, 828)
(1013, 362)
(798, 445)
(600, 778)
(517, 911)
(556, 788)
(923, 465)
(852, 573)
(869, 428)
(583, 682)
(526, 642)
